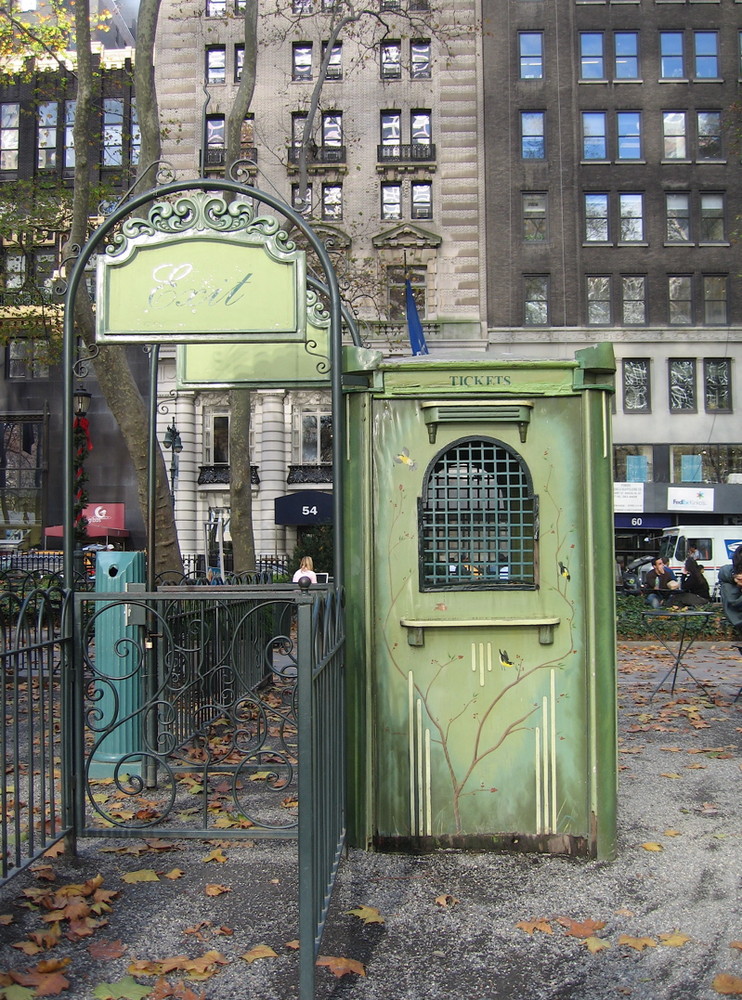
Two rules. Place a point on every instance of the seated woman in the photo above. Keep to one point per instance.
(694, 588)
(730, 580)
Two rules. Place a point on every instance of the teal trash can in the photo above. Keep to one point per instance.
(119, 668)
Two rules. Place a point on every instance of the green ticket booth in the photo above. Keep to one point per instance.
(480, 604)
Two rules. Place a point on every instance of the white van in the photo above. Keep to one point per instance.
(711, 545)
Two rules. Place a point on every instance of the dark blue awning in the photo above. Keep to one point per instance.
(304, 507)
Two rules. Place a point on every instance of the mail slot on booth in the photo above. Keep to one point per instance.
(484, 712)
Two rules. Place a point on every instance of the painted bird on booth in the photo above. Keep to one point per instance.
(564, 571)
(505, 660)
(404, 459)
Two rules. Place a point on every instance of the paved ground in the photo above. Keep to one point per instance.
(663, 921)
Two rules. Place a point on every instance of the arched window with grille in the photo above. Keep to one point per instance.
(478, 519)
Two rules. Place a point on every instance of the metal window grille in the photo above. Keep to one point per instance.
(477, 519)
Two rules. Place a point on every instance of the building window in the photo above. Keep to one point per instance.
(332, 202)
(69, 138)
(533, 135)
(420, 59)
(634, 300)
(477, 521)
(301, 61)
(397, 277)
(628, 135)
(531, 55)
(391, 128)
(536, 300)
(113, 132)
(636, 386)
(46, 156)
(680, 296)
(632, 463)
(535, 228)
(22, 467)
(303, 206)
(682, 384)
(216, 438)
(671, 55)
(216, 64)
(717, 385)
(420, 128)
(673, 134)
(596, 218)
(626, 52)
(714, 299)
(332, 129)
(9, 134)
(303, 6)
(314, 436)
(631, 218)
(709, 135)
(677, 207)
(215, 131)
(298, 121)
(239, 62)
(706, 55)
(26, 359)
(216, 8)
(136, 134)
(712, 218)
(14, 269)
(390, 54)
(592, 63)
(391, 201)
(594, 139)
(422, 200)
(599, 300)
(335, 63)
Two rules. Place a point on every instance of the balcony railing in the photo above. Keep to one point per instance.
(218, 475)
(406, 153)
(319, 154)
(299, 474)
(216, 155)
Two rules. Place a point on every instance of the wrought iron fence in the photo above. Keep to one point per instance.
(35, 635)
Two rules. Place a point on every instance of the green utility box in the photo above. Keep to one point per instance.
(480, 604)
(118, 666)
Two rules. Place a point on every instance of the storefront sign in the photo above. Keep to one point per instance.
(685, 498)
(628, 497)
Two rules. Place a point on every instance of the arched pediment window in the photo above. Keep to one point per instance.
(478, 519)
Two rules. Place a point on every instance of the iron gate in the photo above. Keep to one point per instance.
(185, 693)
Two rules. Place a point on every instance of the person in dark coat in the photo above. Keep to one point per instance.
(694, 582)
(730, 581)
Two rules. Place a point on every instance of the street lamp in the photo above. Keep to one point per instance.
(172, 441)
(82, 445)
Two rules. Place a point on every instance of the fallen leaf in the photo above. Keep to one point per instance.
(583, 930)
(674, 940)
(727, 984)
(368, 914)
(212, 889)
(736, 944)
(125, 989)
(341, 966)
(6, 919)
(294, 945)
(174, 873)
(672, 833)
(530, 926)
(143, 875)
(638, 943)
(106, 949)
(259, 951)
(652, 846)
(595, 944)
(216, 855)
(624, 913)
(447, 900)
(670, 774)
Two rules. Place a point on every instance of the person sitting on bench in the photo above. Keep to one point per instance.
(730, 581)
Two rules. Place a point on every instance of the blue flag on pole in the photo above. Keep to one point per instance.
(414, 326)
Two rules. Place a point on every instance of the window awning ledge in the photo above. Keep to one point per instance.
(416, 626)
(514, 411)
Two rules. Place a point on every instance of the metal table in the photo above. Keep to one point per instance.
(688, 626)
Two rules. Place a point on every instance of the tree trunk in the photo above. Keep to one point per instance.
(241, 528)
